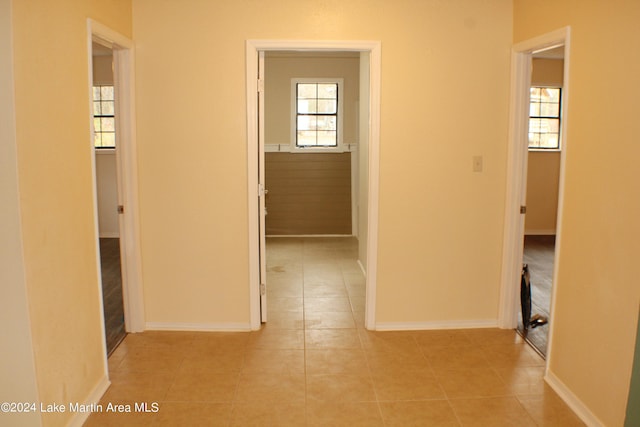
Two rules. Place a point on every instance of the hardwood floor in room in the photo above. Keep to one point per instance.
(112, 292)
(539, 255)
(314, 364)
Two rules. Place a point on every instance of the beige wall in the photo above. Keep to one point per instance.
(17, 369)
(103, 70)
(543, 174)
(600, 229)
(543, 169)
(107, 187)
(435, 212)
(55, 183)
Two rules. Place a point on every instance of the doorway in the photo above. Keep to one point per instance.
(116, 203)
(367, 160)
(518, 180)
(106, 163)
(311, 114)
(543, 178)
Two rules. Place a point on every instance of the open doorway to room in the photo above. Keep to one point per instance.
(104, 131)
(310, 131)
(543, 180)
(311, 115)
(535, 186)
(114, 166)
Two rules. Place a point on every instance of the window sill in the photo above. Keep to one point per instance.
(286, 148)
(545, 150)
(104, 150)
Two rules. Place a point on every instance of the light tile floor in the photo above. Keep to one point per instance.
(314, 364)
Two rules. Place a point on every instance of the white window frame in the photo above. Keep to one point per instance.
(340, 147)
(100, 131)
(560, 120)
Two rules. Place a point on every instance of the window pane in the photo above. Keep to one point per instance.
(549, 109)
(534, 125)
(307, 90)
(550, 94)
(96, 124)
(534, 109)
(327, 138)
(307, 106)
(97, 140)
(306, 138)
(550, 125)
(107, 124)
(327, 106)
(109, 139)
(106, 93)
(534, 93)
(96, 93)
(327, 123)
(96, 108)
(107, 108)
(307, 123)
(328, 90)
(549, 140)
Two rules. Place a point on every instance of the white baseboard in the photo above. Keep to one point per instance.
(200, 327)
(420, 326)
(309, 235)
(362, 268)
(581, 410)
(550, 232)
(109, 235)
(79, 418)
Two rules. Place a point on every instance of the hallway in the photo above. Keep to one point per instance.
(314, 364)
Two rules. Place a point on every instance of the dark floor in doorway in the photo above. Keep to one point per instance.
(539, 254)
(112, 292)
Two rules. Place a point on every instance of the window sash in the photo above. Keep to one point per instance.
(545, 108)
(316, 114)
(104, 131)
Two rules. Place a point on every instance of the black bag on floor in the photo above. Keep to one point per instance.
(525, 298)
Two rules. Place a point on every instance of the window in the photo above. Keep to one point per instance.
(317, 113)
(544, 118)
(104, 117)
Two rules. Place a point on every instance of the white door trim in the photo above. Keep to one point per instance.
(124, 80)
(516, 173)
(252, 49)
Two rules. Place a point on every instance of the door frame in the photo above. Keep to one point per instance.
(513, 249)
(124, 79)
(253, 47)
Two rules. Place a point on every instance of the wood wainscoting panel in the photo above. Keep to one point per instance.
(309, 193)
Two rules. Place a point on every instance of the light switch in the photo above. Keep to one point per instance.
(477, 163)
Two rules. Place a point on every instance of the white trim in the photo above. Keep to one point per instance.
(355, 187)
(252, 49)
(308, 235)
(79, 418)
(286, 148)
(104, 151)
(109, 235)
(364, 272)
(425, 326)
(544, 232)
(204, 327)
(576, 405)
(124, 82)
